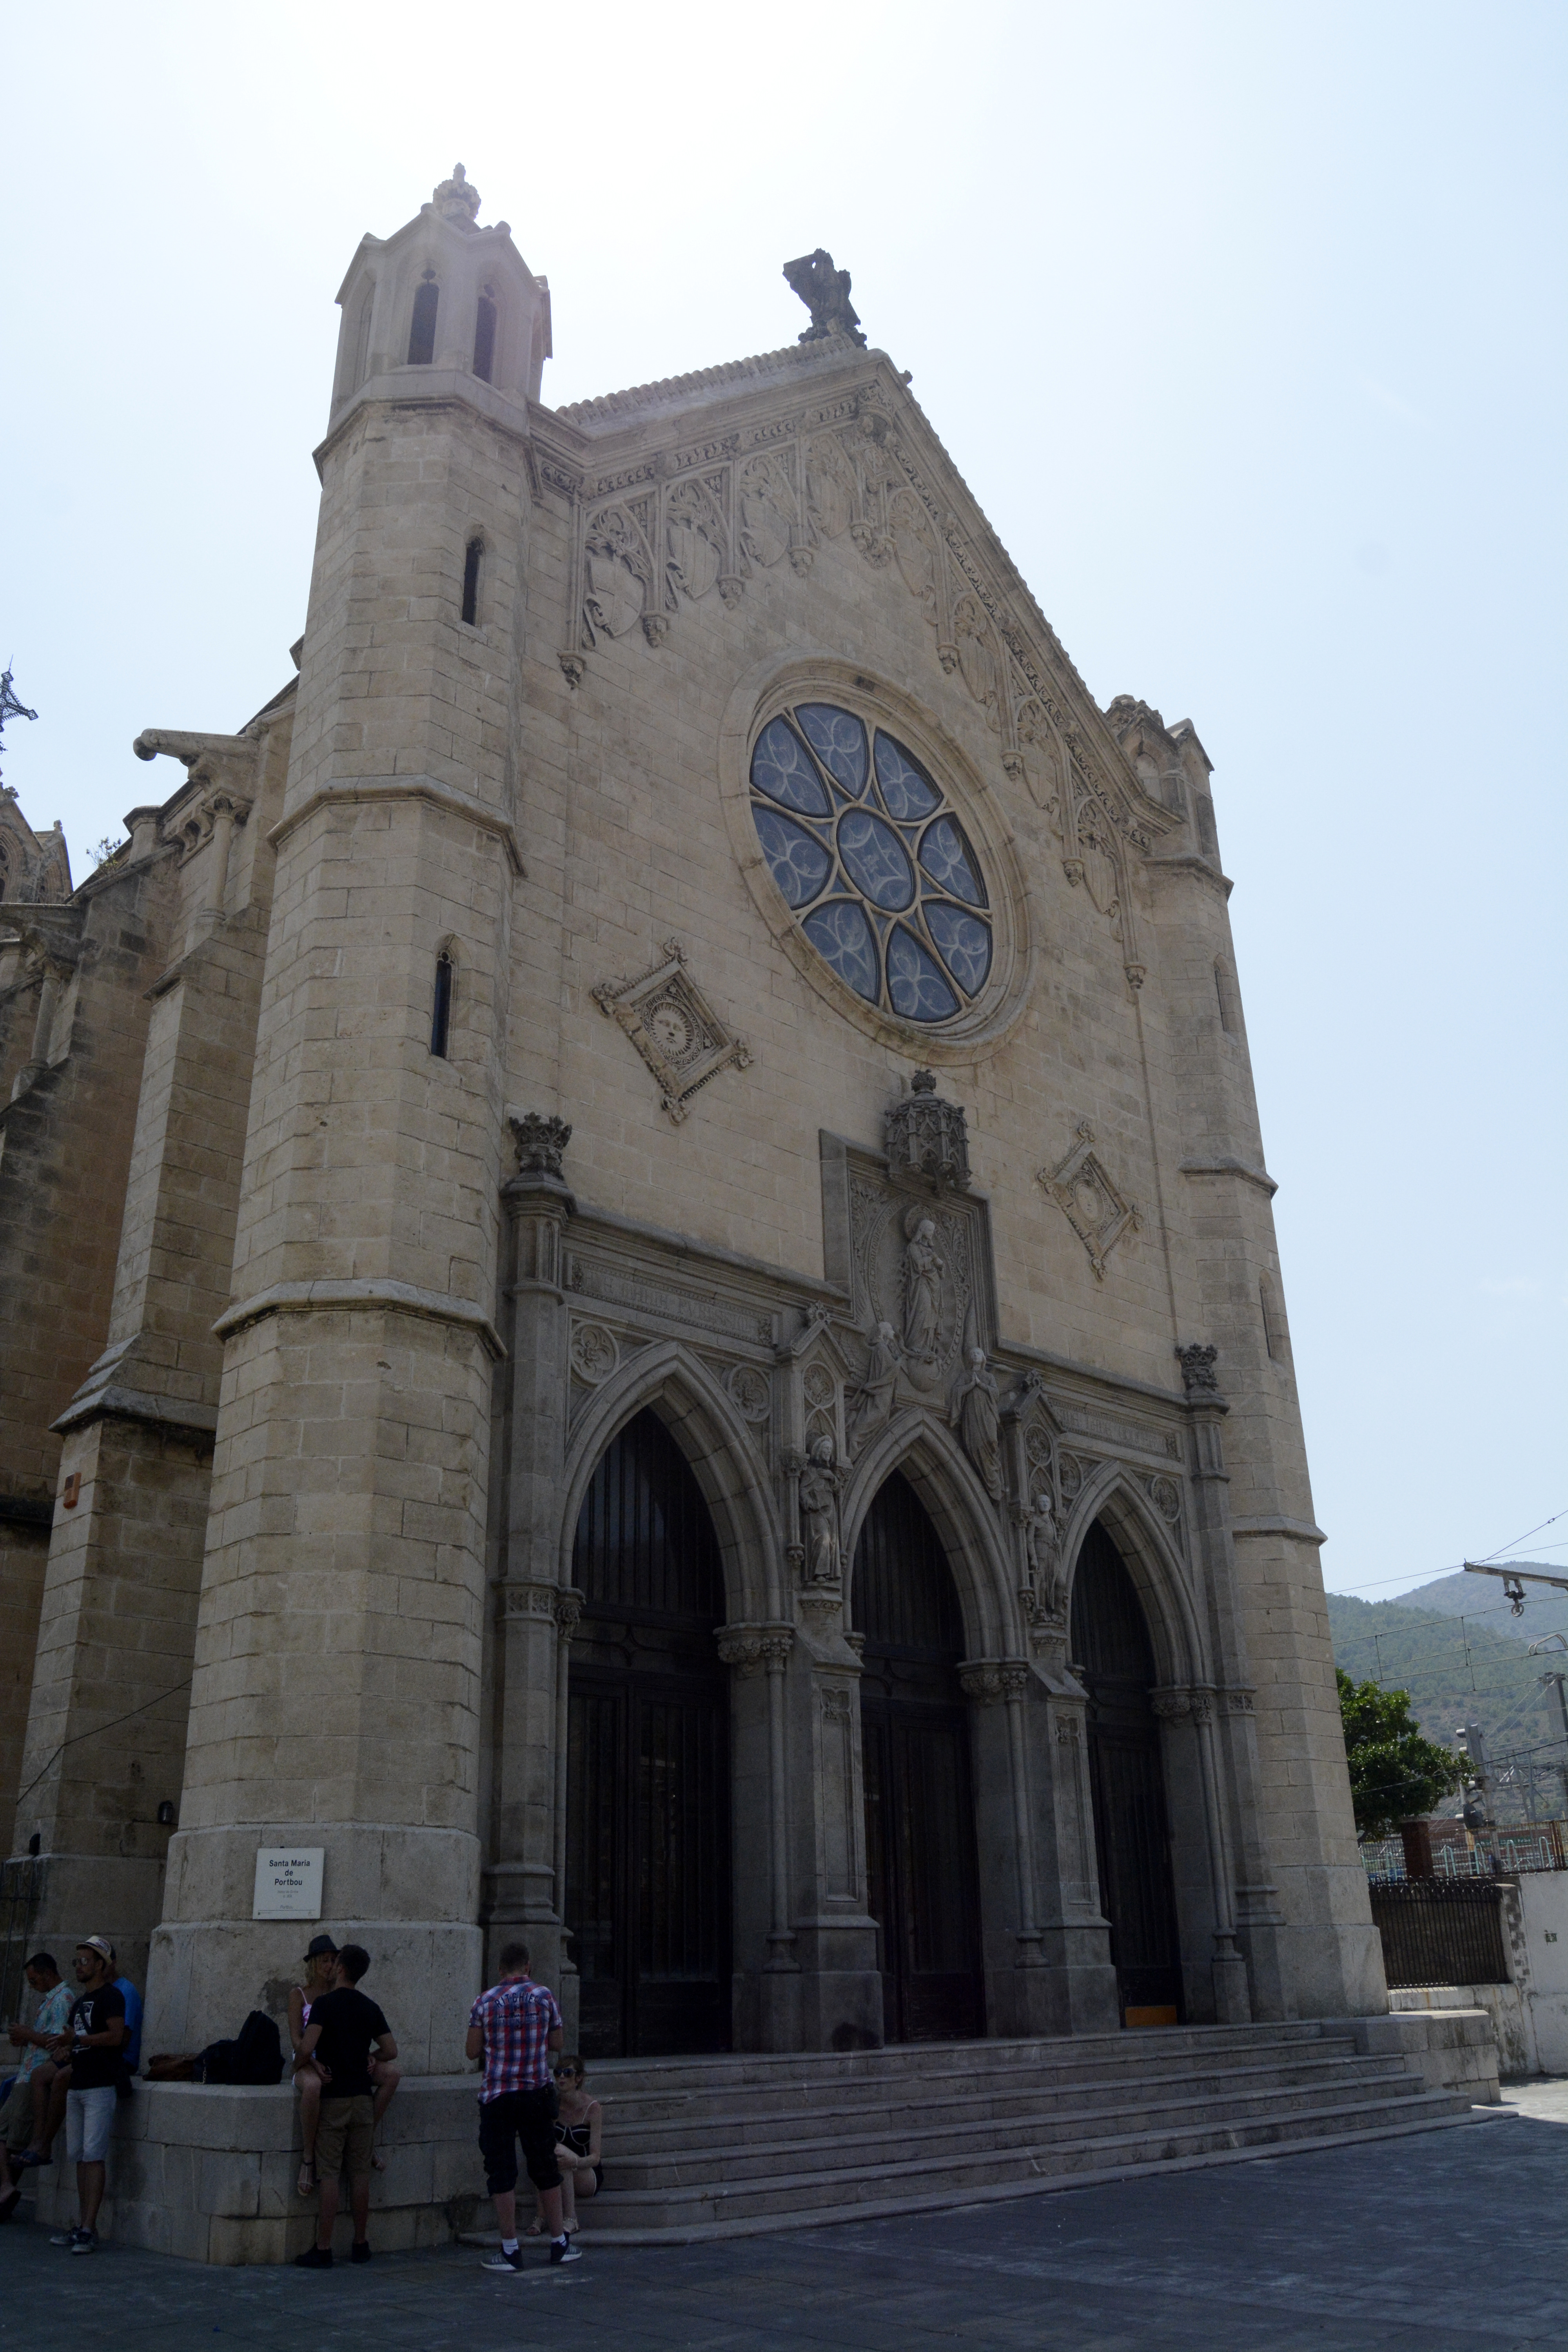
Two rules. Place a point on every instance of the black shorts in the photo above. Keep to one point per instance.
(528, 2116)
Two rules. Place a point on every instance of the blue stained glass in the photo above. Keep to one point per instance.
(796, 859)
(914, 984)
(780, 767)
(874, 860)
(907, 789)
(842, 936)
(838, 741)
(965, 944)
(945, 854)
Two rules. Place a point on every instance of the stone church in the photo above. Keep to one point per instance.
(639, 1295)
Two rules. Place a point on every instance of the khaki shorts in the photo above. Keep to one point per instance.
(16, 2114)
(343, 2137)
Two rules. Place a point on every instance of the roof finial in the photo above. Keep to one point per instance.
(456, 200)
(826, 293)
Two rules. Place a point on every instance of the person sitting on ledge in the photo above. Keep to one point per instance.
(344, 2025)
(578, 2126)
(16, 2114)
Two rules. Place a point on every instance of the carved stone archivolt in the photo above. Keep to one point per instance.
(1090, 1199)
(674, 1027)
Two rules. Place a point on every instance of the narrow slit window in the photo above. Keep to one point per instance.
(441, 1013)
(1274, 1334)
(476, 549)
(362, 342)
(485, 339)
(1230, 998)
(422, 332)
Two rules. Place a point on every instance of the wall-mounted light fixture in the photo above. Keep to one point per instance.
(166, 1814)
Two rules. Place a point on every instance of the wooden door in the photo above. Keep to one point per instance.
(923, 1882)
(647, 1819)
(1112, 1655)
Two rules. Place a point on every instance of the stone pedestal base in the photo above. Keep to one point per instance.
(210, 2173)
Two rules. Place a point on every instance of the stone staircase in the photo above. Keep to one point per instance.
(708, 2148)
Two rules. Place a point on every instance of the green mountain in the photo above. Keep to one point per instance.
(1459, 1671)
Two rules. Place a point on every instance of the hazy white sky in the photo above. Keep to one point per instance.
(1244, 322)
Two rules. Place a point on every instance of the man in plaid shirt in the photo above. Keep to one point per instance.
(515, 2028)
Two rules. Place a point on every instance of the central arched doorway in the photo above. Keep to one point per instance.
(922, 1882)
(647, 1770)
(1114, 1659)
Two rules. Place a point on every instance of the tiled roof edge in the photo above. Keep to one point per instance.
(607, 406)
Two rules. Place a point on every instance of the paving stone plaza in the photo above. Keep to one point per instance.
(1447, 2241)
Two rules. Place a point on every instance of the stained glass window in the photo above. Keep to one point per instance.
(872, 860)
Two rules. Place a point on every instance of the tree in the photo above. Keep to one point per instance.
(1396, 1774)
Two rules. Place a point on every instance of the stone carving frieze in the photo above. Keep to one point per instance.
(662, 1303)
(675, 1028)
(683, 523)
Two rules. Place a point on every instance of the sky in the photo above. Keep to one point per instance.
(1244, 322)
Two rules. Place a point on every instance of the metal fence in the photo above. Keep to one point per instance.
(1440, 1931)
(1496, 1853)
(21, 1894)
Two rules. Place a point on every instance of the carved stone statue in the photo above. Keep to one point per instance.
(826, 293)
(924, 1267)
(1044, 1556)
(873, 1399)
(973, 1411)
(819, 1484)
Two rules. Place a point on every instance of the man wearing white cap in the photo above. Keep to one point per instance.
(91, 2043)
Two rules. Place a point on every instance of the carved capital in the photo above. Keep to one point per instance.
(1197, 1364)
(539, 1142)
(749, 1650)
(992, 1683)
(573, 668)
(1175, 1706)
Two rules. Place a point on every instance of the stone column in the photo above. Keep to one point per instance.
(1193, 1709)
(525, 1872)
(758, 1656)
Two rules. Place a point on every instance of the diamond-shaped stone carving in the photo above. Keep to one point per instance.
(1092, 1203)
(673, 1028)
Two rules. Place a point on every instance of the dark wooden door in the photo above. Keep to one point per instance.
(922, 1883)
(648, 1817)
(1111, 1652)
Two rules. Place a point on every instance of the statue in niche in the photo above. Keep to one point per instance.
(924, 1267)
(1046, 1577)
(819, 1484)
(873, 1402)
(973, 1411)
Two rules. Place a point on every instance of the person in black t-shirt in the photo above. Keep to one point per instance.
(344, 2025)
(93, 2038)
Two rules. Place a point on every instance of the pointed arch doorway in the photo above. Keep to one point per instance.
(1114, 1659)
(648, 1769)
(922, 1878)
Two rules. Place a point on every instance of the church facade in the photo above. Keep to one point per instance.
(640, 1288)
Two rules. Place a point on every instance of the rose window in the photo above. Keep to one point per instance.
(866, 850)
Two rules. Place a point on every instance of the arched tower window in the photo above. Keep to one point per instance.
(422, 332)
(471, 560)
(485, 337)
(1229, 997)
(441, 1009)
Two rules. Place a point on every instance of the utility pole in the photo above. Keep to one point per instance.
(1557, 1678)
(1471, 1742)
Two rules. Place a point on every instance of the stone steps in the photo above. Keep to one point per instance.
(737, 2130)
(721, 2147)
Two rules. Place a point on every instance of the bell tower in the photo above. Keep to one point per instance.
(442, 293)
(335, 1706)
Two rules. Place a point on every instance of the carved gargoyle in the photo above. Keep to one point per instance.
(826, 293)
